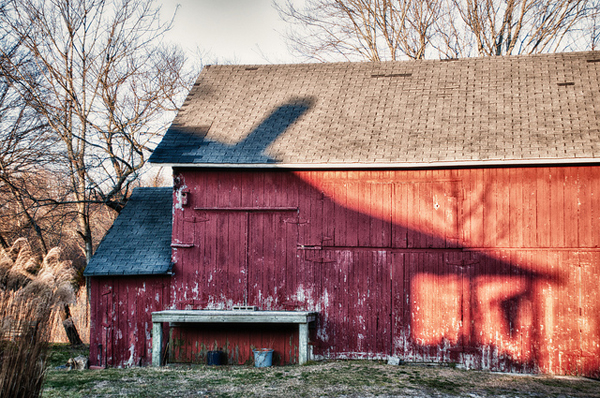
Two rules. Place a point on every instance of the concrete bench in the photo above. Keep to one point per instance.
(302, 318)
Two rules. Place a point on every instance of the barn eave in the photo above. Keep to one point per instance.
(397, 165)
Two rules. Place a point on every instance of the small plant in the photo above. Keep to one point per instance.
(30, 291)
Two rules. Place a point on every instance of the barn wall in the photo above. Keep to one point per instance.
(492, 268)
(121, 321)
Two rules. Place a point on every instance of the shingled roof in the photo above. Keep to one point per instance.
(494, 110)
(139, 241)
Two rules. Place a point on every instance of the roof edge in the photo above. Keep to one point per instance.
(392, 165)
(93, 274)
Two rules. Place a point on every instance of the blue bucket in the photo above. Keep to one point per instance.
(263, 357)
(214, 358)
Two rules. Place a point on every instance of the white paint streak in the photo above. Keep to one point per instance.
(178, 205)
(130, 362)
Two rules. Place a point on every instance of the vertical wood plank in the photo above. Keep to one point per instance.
(363, 220)
(477, 200)
(490, 224)
(352, 216)
(399, 215)
(571, 207)
(585, 231)
(515, 207)
(543, 201)
(413, 219)
(340, 206)
(503, 225)
(426, 213)
(529, 207)
(557, 207)
(400, 318)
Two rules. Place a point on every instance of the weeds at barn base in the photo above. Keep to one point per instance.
(323, 379)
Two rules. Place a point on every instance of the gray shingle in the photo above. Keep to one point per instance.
(139, 241)
(472, 110)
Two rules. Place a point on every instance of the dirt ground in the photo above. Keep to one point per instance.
(323, 379)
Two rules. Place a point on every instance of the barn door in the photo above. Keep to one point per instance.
(236, 257)
(211, 260)
(357, 310)
(272, 244)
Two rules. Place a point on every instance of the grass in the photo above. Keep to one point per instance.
(60, 353)
(322, 379)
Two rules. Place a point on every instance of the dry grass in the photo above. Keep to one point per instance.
(323, 379)
(30, 291)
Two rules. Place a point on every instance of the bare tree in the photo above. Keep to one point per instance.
(103, 83)
(27, 155)
(374, 30)
(26, 147)
(503, 27)
(593, 25)
(378, 30)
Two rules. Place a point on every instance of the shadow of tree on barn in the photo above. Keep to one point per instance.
(380, 287)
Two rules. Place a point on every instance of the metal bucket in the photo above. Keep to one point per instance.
(263, 357)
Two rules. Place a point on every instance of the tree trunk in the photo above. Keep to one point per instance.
(69, 325)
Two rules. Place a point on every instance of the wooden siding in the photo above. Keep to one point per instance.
(121, 321)
(492, 268)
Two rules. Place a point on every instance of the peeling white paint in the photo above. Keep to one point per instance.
(300, 294)
(178, 205)
(130, 362)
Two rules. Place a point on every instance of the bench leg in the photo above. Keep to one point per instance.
(157, 337)
(303, 344)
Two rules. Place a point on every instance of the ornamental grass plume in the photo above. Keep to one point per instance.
(31, 289)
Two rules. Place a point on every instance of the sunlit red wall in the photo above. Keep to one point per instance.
(492, 268)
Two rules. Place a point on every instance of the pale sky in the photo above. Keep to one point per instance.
(229, 31)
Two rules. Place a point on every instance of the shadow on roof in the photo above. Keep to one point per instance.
(189, 144)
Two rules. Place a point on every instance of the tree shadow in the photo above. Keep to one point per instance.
(419, 295)
(190, 145)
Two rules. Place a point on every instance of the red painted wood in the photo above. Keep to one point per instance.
(121, 322)
(557, 207)
(571, 198)
(543, 207)
(492, 268)
(590, 298)
(515, 213)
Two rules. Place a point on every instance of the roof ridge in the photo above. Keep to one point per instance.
(251, 67)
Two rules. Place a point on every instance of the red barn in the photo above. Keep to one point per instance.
(443, 211)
